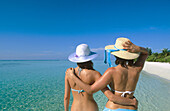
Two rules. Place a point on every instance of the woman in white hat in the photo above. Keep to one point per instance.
(122, 78)
(82, 101)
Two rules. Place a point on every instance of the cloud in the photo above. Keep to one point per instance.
(97, 49)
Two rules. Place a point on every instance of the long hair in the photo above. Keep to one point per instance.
(124, 62)
(86, 65)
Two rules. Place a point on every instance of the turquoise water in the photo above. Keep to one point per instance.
(39, 85)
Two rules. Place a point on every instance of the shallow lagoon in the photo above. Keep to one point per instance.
(39, 85)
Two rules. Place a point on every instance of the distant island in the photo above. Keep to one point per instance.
(164, 56)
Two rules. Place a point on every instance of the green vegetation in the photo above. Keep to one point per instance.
(164, 56)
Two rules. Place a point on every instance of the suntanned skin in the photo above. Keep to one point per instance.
(119, 78)
(82, 101)
(85, 101)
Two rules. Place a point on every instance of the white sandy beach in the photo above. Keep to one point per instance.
(157, 68)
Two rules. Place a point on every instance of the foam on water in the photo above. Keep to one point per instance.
(39, 85)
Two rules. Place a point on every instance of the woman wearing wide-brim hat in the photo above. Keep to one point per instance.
(123, 78)
(82, 101)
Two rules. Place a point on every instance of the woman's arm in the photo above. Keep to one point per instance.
(101, 83)
(67, 94)
(116, 99)
(98, 85)
(135, 49)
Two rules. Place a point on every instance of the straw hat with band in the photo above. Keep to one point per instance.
(118, 51)
(82, 54)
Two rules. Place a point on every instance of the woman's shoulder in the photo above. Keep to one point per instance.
(92, 73)
(96, 72)
(111, 69)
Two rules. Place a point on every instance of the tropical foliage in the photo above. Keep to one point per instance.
(164, 56)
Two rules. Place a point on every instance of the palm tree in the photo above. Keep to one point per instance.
(165, 52)
(155, 54)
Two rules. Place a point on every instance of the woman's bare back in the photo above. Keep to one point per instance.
(83, 101)
(124, 80)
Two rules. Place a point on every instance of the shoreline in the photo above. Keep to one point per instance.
(157, 68)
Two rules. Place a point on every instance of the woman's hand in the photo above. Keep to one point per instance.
(135, 103)
(131, 47)
(70, 73)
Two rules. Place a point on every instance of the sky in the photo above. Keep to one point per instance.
(51, 29)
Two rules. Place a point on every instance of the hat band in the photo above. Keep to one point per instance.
(108, 53)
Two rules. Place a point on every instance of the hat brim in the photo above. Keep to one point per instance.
(74, 58)
(123, 54)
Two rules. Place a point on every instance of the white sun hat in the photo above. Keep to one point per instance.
(82, 54)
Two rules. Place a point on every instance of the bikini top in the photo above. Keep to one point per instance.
(125, 92)
(79, 91)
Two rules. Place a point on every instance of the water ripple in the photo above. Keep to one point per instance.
(39, 86)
